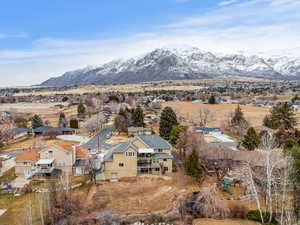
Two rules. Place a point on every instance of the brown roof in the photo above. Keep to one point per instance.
(29, 155)
(81, 151)
(68, 146)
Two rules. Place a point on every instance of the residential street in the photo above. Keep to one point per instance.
(99, 140)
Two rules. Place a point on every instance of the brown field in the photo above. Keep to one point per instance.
(47, 111)
(190, 111)
(119, 88)
(185, 85)
(223, 222)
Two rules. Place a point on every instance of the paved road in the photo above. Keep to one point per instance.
(99, 139)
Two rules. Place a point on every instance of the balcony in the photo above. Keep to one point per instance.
(44, 170)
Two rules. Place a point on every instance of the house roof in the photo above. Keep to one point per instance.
(207, 130)
(68, 146)
(81, 151)
(162, 156)
(48, 128)
(18, 131)
(154, 141)
(29, 155)
(118, 149)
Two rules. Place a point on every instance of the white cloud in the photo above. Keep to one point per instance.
(227, 2)
(255, 25)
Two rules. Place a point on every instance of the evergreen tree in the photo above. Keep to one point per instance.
(251, 140)
(81, 110)
(62, 122)
(175, 132)
(36, 122)
(74, 123)
(168, 119)
(238, 117)
(138, 117)
(294, 152)
(212, 100)
(193, 167)
(282, 114)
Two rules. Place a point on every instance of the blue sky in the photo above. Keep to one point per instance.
(41, 39)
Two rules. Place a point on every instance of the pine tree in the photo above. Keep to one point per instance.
(36, 122)
(175, 132)
(81, 110)
(168, 119)
(238, 117)
(212, 100)
(62, 122)
(251, 140)
(193, 167)
(283, 114)
(74, 123)
(138, 117)
(295, 178)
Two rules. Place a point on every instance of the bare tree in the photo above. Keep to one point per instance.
(205, 115)
(91, 125)
(189, 140)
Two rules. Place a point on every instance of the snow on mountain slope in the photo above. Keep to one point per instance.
(182, 63)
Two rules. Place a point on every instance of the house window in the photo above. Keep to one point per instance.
(166, 168)
(129, 153)
(156, 169)
(25, 163)
(160, 150)
(121, 164)
(165, 160)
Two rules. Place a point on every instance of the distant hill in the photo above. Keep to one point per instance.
(182, 64)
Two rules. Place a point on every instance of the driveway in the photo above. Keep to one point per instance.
(99, 140)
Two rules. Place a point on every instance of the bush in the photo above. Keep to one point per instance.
(238, 211)
(255, 215)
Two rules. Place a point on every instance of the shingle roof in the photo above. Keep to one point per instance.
(29, 155)
(162, 156)
(154, 141)
(18, 131)
(118, 149)
(48, 128)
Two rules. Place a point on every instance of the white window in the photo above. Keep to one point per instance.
(129, 154)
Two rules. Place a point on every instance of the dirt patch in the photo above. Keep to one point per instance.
(142, 195)
(223, 222)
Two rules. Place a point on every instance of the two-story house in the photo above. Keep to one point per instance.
(63, 155)
(52, 160)
(25, 162)
(143, 155)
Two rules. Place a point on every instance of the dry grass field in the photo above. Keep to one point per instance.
(190, 111)
(185, 85)
(223, 222)
(120, 88)
(47, 111)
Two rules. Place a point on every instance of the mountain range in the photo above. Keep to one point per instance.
(183, 64)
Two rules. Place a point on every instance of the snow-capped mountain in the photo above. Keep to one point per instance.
(178, 64)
